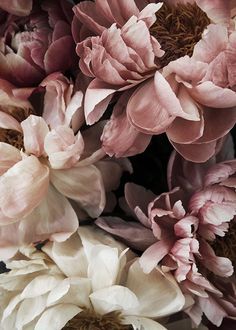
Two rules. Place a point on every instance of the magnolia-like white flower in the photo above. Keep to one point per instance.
(88, 279)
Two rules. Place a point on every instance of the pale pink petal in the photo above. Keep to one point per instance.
(9, 122)
(218, 11)
(154, 254)
(148, 13)
(213, 311)
(9, 156)
(119, 137)
(132, 233)
(214, 40)
(23, 187)
(63, 148)
(97, 98)
(84, 185)
(186, 227)
(34, 129)
(154, 113)
(213, 96)
(198, 153)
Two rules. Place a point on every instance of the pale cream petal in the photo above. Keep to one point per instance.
(40, 285)
(158, 294)
(56, 317)
(142, 323)
(114, 298)
(29, 309)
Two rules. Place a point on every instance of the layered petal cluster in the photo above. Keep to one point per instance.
(191, 234)
(37, 181)
(36, 45)
(184, 96)
(90, 278)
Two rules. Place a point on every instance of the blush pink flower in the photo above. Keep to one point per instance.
(191, 234)
(183, 93)
(36, 45)
(41, 170)
(17, 7)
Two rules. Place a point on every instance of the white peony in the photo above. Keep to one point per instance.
(90, 281)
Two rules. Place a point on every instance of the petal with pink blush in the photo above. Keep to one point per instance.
(218, 11)
(9, 122)
(214, 312)
(131, 233)
(187, 226)
(213, 96)
(97, 98)
(34, 129)
(84, 185)
(23, 187)
(154, 254)
(198, 153)
(121, 139)
(148, 13)
(9, 156)
(63, 148)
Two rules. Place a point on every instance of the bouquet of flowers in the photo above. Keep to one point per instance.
(117, 164)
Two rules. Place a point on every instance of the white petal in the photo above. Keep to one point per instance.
(114, 298)
(142, 323)
(40, 285)
(71, 290)
(29, 309)
(158, 294)
(55, 318)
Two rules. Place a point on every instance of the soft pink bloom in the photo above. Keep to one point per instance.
(44, 46)
(179, 231)
(184, 97)
(17, 7)
(37, 182)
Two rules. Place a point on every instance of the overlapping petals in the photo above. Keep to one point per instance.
(89, 273)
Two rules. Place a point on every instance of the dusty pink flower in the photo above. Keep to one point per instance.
(191, 234)
(184, 90)
(36, 45)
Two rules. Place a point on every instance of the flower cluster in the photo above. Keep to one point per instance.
(117, 164)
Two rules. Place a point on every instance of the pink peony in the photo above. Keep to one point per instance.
(184, 94)
(36, 45)
(191, 234)
(41, 170)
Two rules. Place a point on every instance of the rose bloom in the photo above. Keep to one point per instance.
(190, 234)
(35, 45)
(174, 65)
(88, 280)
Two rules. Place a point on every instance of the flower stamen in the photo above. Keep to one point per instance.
(12, 137)
(89, 320)
(178, 29)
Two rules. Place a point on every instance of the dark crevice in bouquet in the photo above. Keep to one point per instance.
(178, 29)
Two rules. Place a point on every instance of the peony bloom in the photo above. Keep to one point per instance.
(191, 234)
(175, 68)
(88, 279)
(40, 169)
(36, 45)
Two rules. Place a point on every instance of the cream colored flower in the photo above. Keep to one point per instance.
(88, 279)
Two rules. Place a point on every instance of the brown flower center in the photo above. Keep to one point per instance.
(12, 137)
(89, 320)
(226, 246)
(178, 29)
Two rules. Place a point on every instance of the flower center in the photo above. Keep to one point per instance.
(226, 246)
(89, 320)
(178, 29)
(12, 137)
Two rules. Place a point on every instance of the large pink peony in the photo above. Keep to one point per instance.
(36, 45)
(185, 75)
(191, 234)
